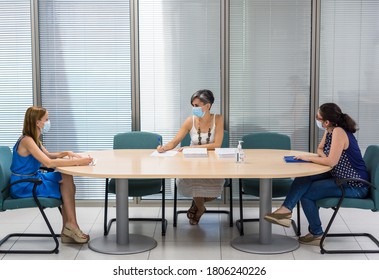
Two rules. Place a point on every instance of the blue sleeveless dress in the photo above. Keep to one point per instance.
(28, 167)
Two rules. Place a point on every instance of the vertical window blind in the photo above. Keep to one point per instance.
(85, 77)
(86, 80)
(179, 44)
(349, 62)
(16, 84)
(179, 54)
(270, 44)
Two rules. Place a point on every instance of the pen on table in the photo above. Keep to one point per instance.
(160, 143)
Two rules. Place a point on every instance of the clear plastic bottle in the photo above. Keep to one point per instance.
(240, 155)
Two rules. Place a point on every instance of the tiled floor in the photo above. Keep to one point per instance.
(210, 240)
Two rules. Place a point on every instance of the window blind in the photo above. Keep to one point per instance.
(179, 54)
(85, 77)
(16, 85)
(270, 43)
(349, 62)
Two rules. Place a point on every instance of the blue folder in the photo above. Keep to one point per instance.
(293, 159)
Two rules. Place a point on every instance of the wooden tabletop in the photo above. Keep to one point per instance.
(141, 164)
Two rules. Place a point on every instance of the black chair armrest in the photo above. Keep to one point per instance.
(36, 182)
(340, 182)
(47, 169)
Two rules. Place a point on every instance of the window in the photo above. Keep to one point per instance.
(349, 62)
(270, 44)
(85, 76)
(16, 85)
(179, 54)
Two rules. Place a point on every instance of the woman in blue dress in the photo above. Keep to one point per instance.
(29, 154)
(338, 149)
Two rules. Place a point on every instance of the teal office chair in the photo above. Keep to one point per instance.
(9, 203)
(137, 187)
(280, 186)
(371, 202)
(228, 183)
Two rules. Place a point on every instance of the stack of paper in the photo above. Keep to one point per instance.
(195, 152)
(226, 152)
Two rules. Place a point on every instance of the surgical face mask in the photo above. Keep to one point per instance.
(198, 112)
(46, 127)
(319, 124)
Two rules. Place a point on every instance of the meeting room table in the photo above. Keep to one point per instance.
(146, 163)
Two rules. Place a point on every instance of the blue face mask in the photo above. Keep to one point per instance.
(46, 127)
(198, 112)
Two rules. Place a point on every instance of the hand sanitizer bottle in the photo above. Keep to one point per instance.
(240, 155)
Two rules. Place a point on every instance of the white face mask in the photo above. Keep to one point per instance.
(319, 124)
(46, 127)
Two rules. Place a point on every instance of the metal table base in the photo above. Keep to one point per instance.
(122, 243)
(265, 242)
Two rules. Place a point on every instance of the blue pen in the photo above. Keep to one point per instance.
(159, 141)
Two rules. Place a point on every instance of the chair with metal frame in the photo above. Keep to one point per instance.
(137, 187)
(228, 183)
(9, 203)
(371, 202)
(280, 186)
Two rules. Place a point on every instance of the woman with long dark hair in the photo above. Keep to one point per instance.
(338, 149)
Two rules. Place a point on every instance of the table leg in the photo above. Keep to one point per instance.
(122, 243)
(265, 242)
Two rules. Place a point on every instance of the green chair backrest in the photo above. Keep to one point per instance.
(266, 140)
(5, 172)
(371, 158)
(225, 141)
(138, 140)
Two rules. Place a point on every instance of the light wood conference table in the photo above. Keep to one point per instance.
(126, 164)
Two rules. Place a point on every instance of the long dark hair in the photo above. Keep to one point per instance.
(332, 112)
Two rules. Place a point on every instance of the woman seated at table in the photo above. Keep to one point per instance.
(206, 131)
(339, 149)
(28, 156)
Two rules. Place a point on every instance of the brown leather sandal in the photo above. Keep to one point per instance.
(195, 220)
(192, 210)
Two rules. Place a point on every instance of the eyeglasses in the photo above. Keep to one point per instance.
(208, 138)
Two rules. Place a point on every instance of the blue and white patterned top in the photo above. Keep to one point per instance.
(351, 163)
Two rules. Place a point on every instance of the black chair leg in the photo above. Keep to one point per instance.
(239, 223)
(164, 221)
(106, 226)
(327, 234)
(231, 203)
(175, 204)
(52, 234)
(298, 231)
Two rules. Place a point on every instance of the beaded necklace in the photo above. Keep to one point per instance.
(208, 138)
